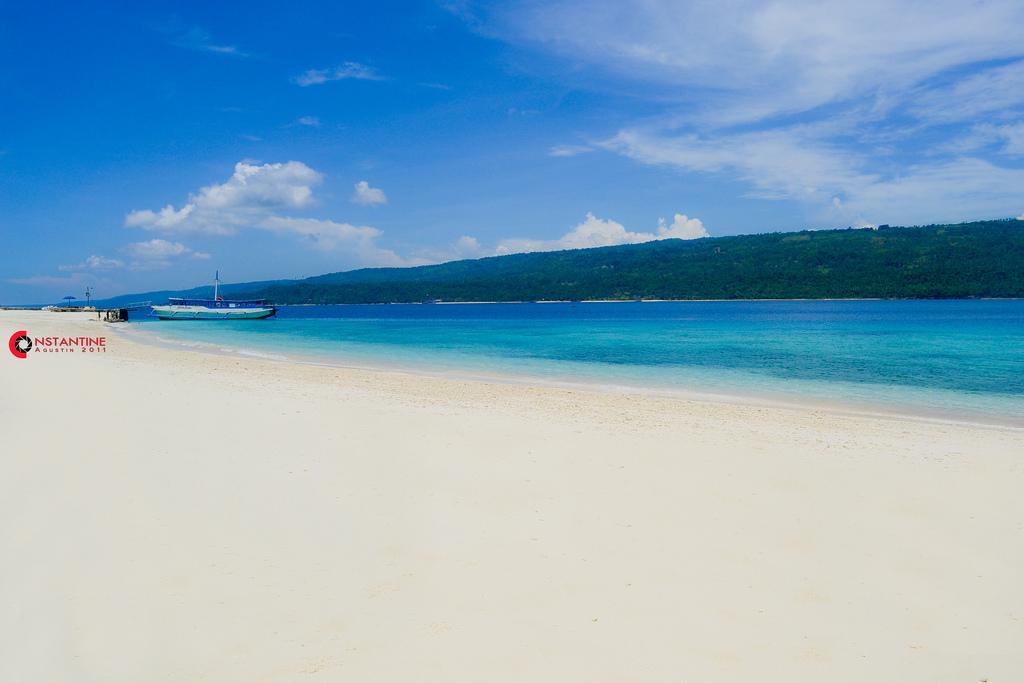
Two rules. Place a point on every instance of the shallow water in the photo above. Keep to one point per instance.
(963, 358)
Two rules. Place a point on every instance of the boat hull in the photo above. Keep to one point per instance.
(198, 313)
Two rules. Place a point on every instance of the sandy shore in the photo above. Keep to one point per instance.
(174, 516)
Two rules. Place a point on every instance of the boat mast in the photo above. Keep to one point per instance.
(216, 285)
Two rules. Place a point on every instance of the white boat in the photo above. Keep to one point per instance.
(180, 308)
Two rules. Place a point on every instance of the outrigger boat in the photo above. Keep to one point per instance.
(215, 308)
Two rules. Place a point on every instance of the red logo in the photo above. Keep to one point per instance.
(20, 344)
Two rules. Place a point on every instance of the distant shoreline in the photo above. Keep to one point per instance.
(674, 301)
(72, 309)
(645, 301)
(975, 260)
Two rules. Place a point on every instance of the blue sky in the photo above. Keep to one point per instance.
(143, 145)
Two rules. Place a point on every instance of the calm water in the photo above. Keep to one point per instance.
(965, 357)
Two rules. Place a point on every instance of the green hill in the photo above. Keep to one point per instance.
(981, 259)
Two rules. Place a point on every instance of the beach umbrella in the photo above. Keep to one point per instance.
(69, 299)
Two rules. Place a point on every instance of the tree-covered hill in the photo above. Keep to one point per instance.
(981, 259)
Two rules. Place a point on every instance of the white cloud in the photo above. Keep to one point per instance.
(682, 228)
(344, 71)
(368, 196)
(790, 163)
(841, 186)
(597, 232)
(569, 150)
(1008, 138)
(94, 262)
(330, 235)
(311, 121)
(958, 190)
(748, 59)
(149, 255)
(1013, 136)
(76, 278)
(470, 247)
(156, 249)
(254, 198)
(226, 49)
(592, 232)
(199, 39)
(466, 247)
(992, 90)
(158, 253)
(864, 79)
(251, 194)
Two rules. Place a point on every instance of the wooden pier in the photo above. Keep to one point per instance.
(110, 315)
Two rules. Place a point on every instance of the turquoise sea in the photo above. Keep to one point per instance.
(962, 359)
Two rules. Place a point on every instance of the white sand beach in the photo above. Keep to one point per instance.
(168, 515)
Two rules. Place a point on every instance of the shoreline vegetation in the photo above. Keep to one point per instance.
(649, 301)
(977, 260)
(971, 260)
(348, 514)
(78, 309)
